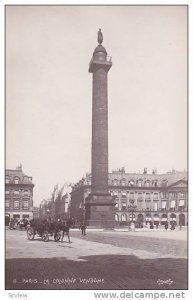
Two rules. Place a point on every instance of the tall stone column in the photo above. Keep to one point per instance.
(100, 205)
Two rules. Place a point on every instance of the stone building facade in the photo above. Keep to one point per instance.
(18, 195)
(54, 209)
(141, 198)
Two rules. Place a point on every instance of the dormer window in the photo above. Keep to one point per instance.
(16, 180)
(123, 181)
(147, 183)
(115, 182)
(154, 183)
(25, 179)
(16, 192)
(164, 182)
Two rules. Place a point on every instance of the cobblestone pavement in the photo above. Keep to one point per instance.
(100, 260)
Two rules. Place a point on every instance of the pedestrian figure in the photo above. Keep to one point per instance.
(83, 228)
(151, 225)
(172, 226)
(132, 226)
(180, 225)
(148, 225)
(166, 225)
(65, 227)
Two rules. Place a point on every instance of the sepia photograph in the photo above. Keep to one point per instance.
(96, 149)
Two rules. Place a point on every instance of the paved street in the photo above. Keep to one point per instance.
(100, 260)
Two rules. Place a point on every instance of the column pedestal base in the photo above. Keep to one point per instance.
(100, 211)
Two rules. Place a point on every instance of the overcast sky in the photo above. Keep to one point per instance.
(49, 89)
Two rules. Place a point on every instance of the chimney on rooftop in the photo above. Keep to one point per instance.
(19, 168)
(154, 171)
(145, 171)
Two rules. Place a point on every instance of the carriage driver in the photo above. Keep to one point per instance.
(65, 227)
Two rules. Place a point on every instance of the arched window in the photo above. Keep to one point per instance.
(123, 217)
(164, 182)
(116, 217)
(148, 217)
(132, 217)
(154, 183)
(173, 216)
(147, 183)
(182, 219)
(7, 179)
(156, 217)
(16, 180)
(140, 218)
(123, 181)
(25, 179)
(115, 182)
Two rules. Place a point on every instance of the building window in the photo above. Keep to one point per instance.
(172, 205)
(123, 181)
(154, 183)
(123, 218)
(123, 195)
(181, 204)
(115, 182)
(155, 196)
(163, 205)
(7, 179)
(164, 182)
(140, 196)
(116, 217)
(147, 196)
(16, 180)
(173, 195)
(147, 184)
(25, 204)
(164, 195)
(155, 206)
(26, 193)
(124, 205)
(131, 197)
(7, 204)
(182, 195)
(132, 217)
(132, 182)
(16, 204)
(25, 179)
(115, 194)
(16, 192)
(139, 183)
(7, 192)
(25, 216)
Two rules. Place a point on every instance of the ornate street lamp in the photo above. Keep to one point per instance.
(132, 207)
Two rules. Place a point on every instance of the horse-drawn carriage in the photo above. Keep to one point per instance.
(44, 229)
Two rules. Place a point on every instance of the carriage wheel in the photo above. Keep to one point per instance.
(45, 236)
(57, 236)
(30, 233)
